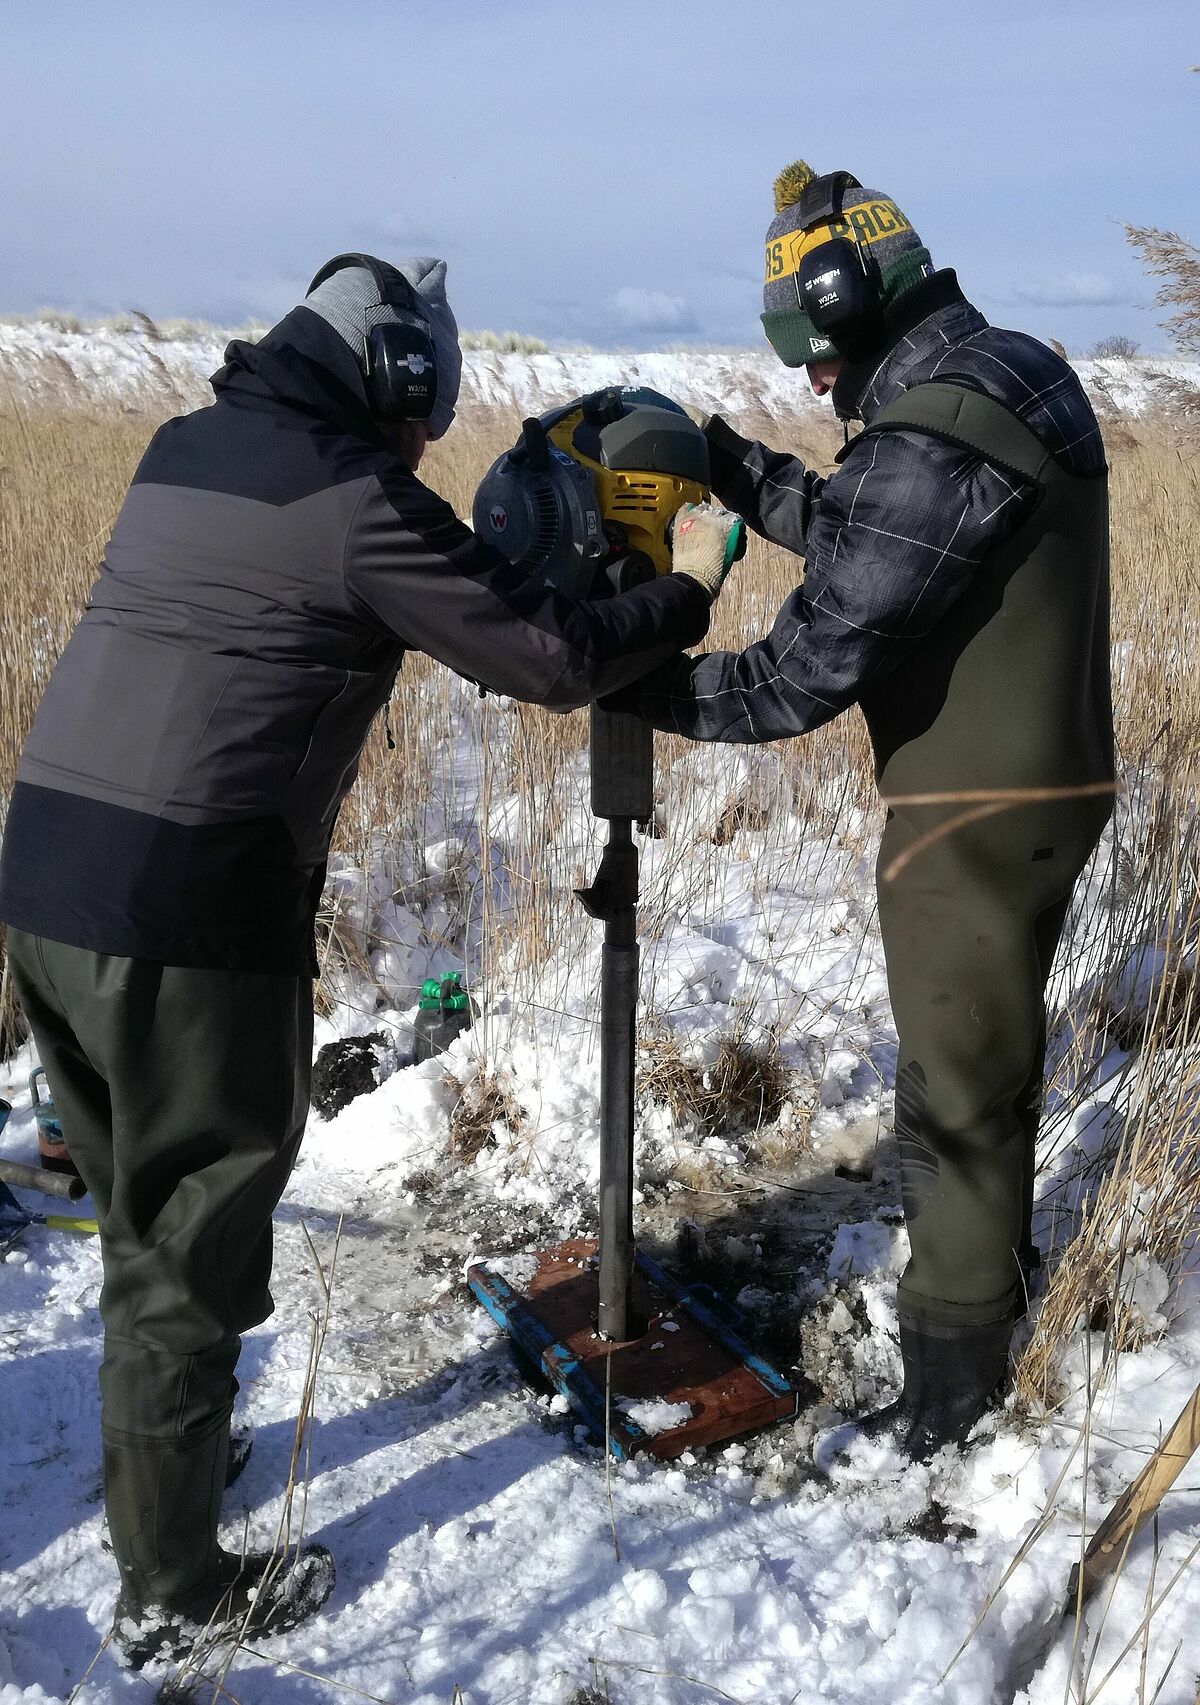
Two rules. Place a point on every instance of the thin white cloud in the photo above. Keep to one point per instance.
(1072, 290)
(641, 310)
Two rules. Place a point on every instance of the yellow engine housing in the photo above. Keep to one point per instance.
(644, 504)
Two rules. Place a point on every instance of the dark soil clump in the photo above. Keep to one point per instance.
(345, 1069)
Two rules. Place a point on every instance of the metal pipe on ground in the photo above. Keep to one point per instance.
(63, 1184)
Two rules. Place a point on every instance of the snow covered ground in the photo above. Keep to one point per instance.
(103, 363)
(478, 1556)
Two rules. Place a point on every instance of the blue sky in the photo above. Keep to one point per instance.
(596, 172)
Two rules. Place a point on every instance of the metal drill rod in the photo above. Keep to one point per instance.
(618, 1009)
(622, 749)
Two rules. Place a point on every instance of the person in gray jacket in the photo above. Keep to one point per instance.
(956, 588)
(166, 842)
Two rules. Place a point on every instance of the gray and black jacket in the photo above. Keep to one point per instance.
(270, 566)
(891, 539)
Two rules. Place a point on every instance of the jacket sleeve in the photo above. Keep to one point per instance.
(413, 569)
(773, 493)
(894, 539)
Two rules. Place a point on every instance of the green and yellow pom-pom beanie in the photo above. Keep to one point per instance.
(868, 217)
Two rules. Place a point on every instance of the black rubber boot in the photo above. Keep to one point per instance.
(179, 1590)
(950, 1376)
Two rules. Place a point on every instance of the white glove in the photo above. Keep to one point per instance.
(705, 543)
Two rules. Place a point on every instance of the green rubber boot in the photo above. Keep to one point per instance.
(181, 1593)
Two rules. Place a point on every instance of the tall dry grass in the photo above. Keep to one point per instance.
(461, 764)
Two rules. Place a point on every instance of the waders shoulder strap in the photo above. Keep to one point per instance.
(967, 419)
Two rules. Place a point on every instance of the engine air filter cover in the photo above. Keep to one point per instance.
(544, 519)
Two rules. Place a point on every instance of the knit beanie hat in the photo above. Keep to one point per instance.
(349, 301)
(868, 218)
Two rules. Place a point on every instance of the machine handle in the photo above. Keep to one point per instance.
(535, 444)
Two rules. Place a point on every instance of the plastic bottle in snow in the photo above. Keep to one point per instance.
(444, 1013)
(52, 1146)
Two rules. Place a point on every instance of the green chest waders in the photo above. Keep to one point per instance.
(1003, 715)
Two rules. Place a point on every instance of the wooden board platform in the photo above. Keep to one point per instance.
(690, 1353)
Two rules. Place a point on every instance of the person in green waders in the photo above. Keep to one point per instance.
(956, 587)
(276, 557)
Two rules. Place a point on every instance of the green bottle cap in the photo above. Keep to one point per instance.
(444, 994)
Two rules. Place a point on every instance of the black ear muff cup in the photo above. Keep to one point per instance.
(401, 372)
(833, 286)
(839, 290)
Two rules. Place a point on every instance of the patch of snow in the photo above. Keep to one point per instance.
(516, 1270)
(656, 1415)
(868, 1248)
(102, 362)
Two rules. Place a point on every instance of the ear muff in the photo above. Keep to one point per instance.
(401, 372)
(839, 287)
(402, 376)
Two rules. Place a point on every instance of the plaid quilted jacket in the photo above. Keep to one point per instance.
(890, 540)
